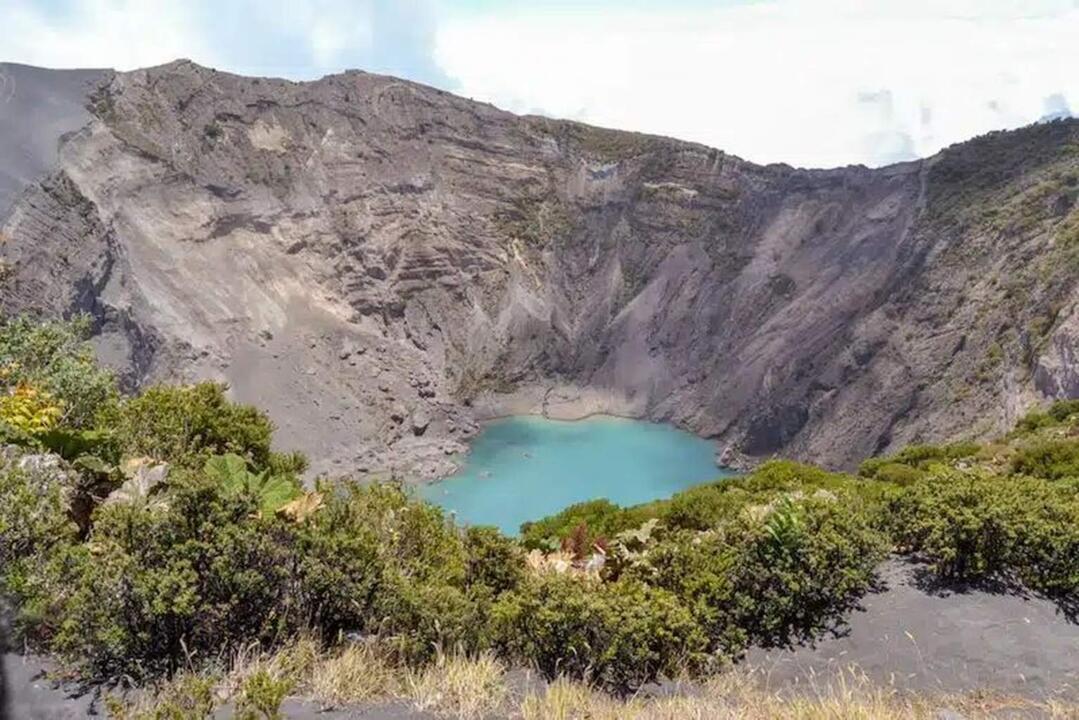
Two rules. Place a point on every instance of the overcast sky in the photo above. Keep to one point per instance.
(809, 82)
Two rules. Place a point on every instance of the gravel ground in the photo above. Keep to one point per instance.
(916, 637)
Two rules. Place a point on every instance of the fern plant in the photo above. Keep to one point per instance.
(784, 526)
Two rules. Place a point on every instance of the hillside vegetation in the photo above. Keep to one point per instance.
(145, 535)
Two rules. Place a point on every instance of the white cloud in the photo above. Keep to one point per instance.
(124, 34)
(300, 40)
(810, 82)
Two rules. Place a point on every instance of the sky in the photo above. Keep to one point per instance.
(816, 83)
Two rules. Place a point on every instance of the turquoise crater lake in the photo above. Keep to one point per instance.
(525, 468)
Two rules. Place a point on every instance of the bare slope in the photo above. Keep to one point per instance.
(908, 636)
(37, 108)
(380, 264)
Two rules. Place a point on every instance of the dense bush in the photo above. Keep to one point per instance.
(186, 425)
(1052, 460)
(918, 458)
(202, 572)
(619, 635)
(802, 564)
(698, 508)
(495, 562)
(55, 358)
(976, 527)
(1060, 412)
(1063, 410)
(33, 522)
(706, 506)
(194, 568)
(896, 473)
(774, 573)
(701, 572)
(198, 573)
(603, 518)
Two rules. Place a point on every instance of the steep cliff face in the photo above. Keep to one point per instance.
(381, 264)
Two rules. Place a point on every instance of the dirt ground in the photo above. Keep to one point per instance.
(916, 637)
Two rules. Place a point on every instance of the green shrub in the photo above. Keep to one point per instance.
(773, 574)
(339, 566)
(186, 696)
(703, 507)
(897, 474)
(423, 602)
(918, 457)
(494, 561)
(698, 508)
(1045, 555)
(414, 537)
(708, 506)
(418, 618)
(33, 524)
(975, 527)
(261, 695)
(951, 518)
(786, 476)
(601, 517)
(1063, 410)
(54, 356)
(186, 425)
(700, 571)
(199, 573)
(1056, 414)
(1034, 421)
(802, 564)
(1051, 460)
(618, 635)
(374, 560)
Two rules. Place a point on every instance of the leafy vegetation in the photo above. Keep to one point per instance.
(50, 361)
(162, 532)
(977, 527)
(539, 223)
(188, 425)
(619, 634)
(914, 461)
(601, 143)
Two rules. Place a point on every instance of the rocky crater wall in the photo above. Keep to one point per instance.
(381, 265)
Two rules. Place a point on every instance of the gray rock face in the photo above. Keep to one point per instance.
(380, 265)
(37, 108)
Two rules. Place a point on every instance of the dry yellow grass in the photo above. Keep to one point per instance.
(739, 696)
(459, 687)
(564, 700)
(294, 663)
(360, 673)
(186, 694)
(473, 688)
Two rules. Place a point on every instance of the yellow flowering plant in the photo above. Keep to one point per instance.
(30, 409)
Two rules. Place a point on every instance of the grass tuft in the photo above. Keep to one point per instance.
(360, 673)
(458, 686)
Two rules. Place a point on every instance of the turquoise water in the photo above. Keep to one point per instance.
(525, 468)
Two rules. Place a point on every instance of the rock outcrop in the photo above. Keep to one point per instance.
(380, 265)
